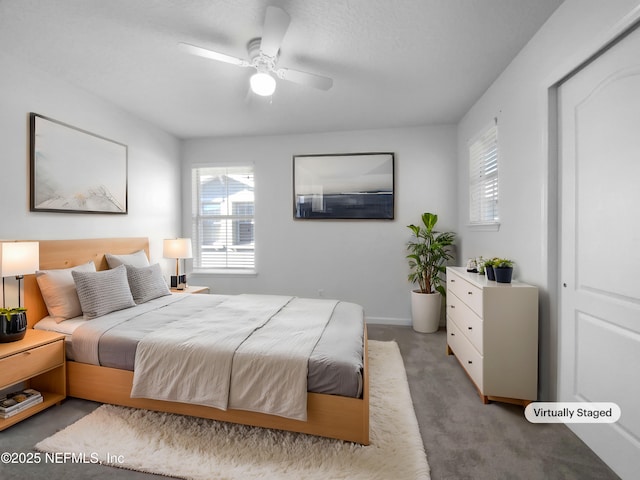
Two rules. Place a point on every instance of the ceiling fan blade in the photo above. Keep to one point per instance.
(221, 57)
(276, 23)
(304, 78)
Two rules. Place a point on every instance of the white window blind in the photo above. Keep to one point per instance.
(483, 177)
(223, 218)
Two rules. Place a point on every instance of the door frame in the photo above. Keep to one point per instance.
(613, 457)
(551, 304)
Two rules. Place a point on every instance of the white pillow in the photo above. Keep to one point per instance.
(146, 283)
(138, 259)
(103, 292)
(59, 291)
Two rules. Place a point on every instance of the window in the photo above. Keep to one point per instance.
(483, 178)
(223, 218)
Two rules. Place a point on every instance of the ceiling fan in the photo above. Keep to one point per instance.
(263, 56)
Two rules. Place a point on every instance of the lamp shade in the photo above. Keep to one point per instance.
(19, 258)
(177, 248)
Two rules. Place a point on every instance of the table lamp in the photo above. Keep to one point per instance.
(178, 248)
(16, 259)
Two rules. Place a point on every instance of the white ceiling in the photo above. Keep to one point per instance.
(394, 63)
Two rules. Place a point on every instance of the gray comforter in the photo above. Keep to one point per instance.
(334, 367)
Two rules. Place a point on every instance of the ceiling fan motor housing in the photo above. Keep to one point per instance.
(258, 59)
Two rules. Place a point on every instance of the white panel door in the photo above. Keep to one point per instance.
(599, 337)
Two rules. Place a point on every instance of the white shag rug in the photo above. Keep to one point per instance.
(194, 448)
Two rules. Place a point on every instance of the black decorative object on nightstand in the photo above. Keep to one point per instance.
(13, 326)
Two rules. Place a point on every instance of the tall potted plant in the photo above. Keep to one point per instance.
(428, 253)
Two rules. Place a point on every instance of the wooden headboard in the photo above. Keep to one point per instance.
(69, 253)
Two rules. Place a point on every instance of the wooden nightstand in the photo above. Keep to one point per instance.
(191, 289)
(38, 360)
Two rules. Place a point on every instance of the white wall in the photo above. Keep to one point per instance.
(520, 99)
(153, 171)
(358, 261)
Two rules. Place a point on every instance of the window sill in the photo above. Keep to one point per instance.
(224, 273)
(484, 227)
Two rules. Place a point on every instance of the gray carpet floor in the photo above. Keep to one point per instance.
(464, 439)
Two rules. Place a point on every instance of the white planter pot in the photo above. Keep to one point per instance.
(425, 311)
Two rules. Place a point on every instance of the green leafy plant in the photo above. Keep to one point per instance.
(502, 263)
(428, 254)
(10, 312)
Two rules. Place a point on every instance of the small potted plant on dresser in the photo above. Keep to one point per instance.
(503, 270)
(13, 324)
(488, 268)
(428, 254)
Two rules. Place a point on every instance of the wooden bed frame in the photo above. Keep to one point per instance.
(330, 416)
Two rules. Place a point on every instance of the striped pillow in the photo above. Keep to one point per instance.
(103, 292)
(59, 291)
(137, 259)
(146, 283)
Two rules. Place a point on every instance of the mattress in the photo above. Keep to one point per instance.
(335, 365)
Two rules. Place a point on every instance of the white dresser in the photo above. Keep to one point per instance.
(492, 329)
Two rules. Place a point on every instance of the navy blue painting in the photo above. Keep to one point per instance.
(344, 186)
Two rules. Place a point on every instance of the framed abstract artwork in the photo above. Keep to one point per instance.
(343, 186)
(76, 171)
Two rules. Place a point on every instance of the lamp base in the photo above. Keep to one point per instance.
(179, 282)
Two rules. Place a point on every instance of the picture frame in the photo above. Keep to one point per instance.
(76, 171)
(357, 186)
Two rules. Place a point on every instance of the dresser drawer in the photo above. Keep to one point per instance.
(467, 320)
(23, 365)
(468, 356)
(465, 291)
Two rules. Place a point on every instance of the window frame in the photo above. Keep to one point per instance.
(484, 154)
(197, 216)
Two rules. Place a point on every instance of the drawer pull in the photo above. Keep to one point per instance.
(470, 328)
(469, 362)
(470, 293)
(452, 306)
(453, 334)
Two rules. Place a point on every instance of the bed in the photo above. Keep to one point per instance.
(328, 415)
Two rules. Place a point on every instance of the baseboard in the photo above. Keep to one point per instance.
(388, 321)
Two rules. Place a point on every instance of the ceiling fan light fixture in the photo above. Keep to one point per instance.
(264, 54)
(262, 84)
